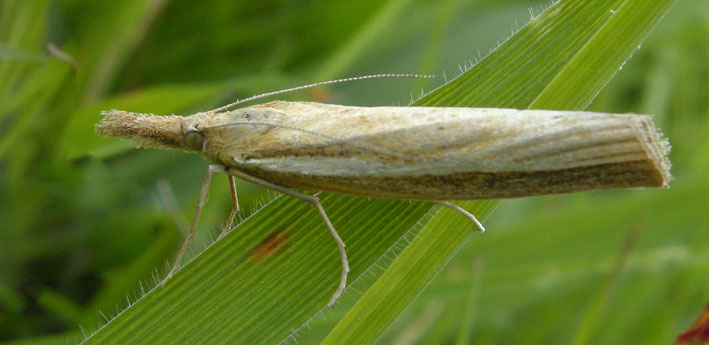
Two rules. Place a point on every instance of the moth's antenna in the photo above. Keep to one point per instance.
(267, 94)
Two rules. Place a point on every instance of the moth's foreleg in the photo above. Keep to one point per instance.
(313, 199)
(462, 211)
(203, 196)
(234, 210)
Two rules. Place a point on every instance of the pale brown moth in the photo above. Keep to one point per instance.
(412, 153)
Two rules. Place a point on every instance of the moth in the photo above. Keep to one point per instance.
(414, 153)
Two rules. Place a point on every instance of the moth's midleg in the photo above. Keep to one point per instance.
(461, 211)
(313, 199)
(234, 211)
(203, 196)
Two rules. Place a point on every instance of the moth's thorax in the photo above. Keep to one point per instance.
(233, 135)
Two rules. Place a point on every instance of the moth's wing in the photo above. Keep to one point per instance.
(448, 153)
(330, 139)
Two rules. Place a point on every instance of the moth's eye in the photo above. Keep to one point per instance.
(194, 140)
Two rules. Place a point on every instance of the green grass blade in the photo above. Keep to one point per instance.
(355, 47)
(231, 293)
(471, 304)
(125, 22)
(544, 274)
(405, 278)
(599, 304)
(580, 80)
(31, 98)
(22, 24)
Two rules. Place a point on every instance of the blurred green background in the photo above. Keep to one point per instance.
(85, 219)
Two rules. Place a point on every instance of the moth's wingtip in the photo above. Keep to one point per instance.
(663, 162)
(657, 149)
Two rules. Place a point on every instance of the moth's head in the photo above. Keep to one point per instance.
(174, 132)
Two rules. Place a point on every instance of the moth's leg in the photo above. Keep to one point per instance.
(234, 211)
(203, 196)
(316, 202)
(462, 211)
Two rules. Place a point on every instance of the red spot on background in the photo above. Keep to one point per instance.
(273, 244)
(698, 333)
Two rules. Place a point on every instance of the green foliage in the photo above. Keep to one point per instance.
(84, 224)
